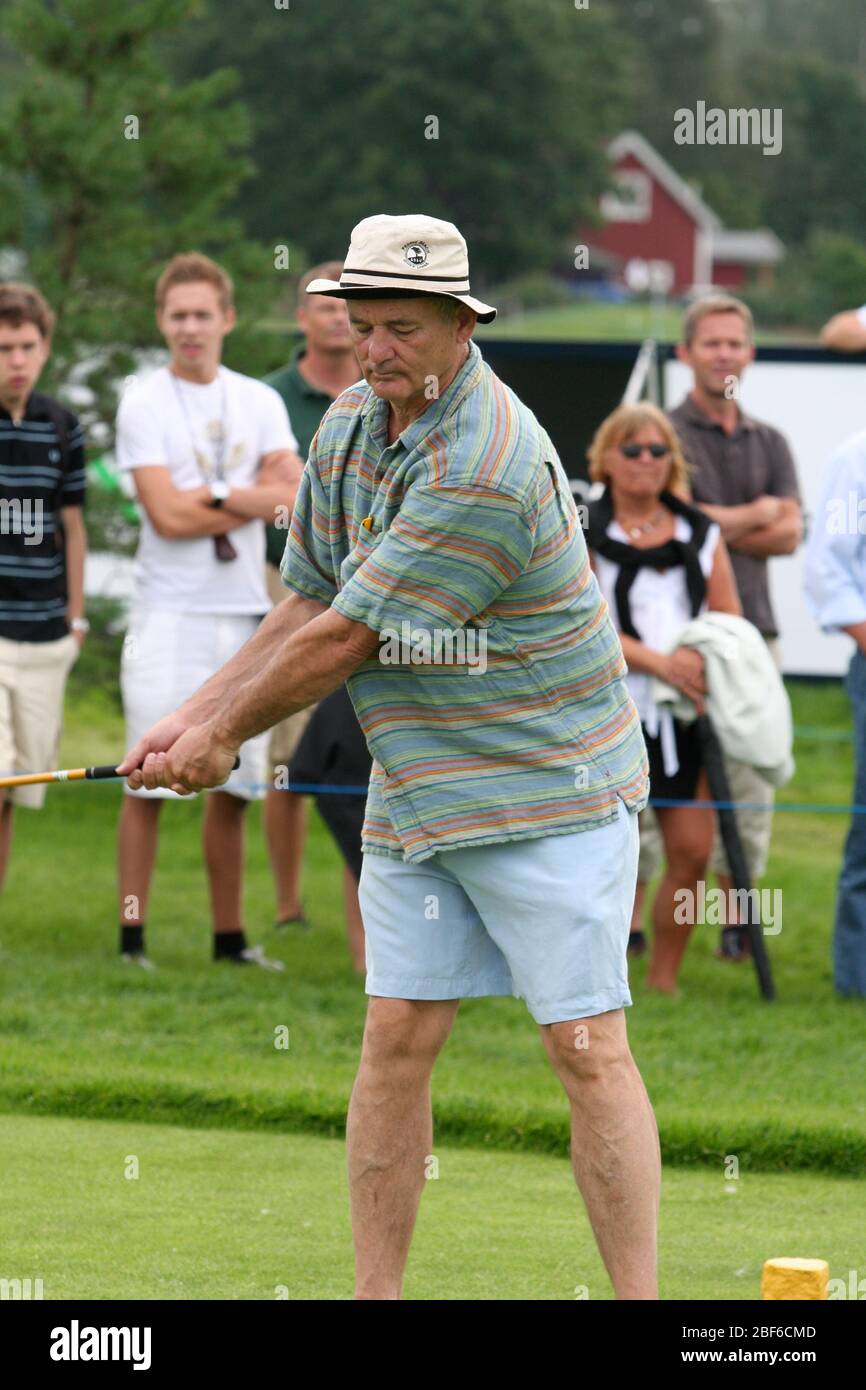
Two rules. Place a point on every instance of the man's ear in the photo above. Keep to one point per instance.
(466, 321)
(231, 318)
(684, 354)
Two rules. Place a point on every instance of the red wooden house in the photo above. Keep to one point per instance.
(653, 215)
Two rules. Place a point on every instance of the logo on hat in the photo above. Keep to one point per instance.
(416, 253)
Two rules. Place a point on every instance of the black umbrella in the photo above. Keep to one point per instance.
(711, 753)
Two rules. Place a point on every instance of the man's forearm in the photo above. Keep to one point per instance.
(782, 538)
(76, 550)
(261, 503)
(858, 632)
(192, 519)
(733, 522)
(314, 662)
(272, 634)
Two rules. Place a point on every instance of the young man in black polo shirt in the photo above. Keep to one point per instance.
(42, 550)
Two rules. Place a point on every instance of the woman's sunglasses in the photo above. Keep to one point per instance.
(634, 451)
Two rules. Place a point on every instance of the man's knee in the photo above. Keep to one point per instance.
(406, 1033)
(589, 1049)
(688, 863)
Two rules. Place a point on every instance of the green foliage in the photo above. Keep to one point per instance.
(819, 179)
(805, 58)
(675, 51)
(108, 169)
(110, 523)
(94, 677)
(828, 275)
(524, 92)
(529, 292)
(834, 28)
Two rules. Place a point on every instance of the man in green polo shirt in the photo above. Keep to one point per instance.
(320, 367)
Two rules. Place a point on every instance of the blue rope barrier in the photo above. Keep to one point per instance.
(817, 807)
(800, 807)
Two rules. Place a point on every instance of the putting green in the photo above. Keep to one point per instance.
(221, 1214)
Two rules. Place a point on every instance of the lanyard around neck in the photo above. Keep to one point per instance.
(220, 441)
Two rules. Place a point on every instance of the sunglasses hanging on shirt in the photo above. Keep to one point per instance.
(217, 432)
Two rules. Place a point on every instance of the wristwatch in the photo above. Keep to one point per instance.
(219, 491)
(79, 625)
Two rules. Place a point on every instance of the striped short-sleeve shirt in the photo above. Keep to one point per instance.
(41, 472)
(495, 707)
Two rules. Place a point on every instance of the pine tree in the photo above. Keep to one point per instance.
(107, 168)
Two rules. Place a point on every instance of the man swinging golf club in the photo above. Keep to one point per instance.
(436, 562)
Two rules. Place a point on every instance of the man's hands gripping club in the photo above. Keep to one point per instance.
(301, 652)
(184, 757)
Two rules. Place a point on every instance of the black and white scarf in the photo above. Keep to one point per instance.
(631, 558)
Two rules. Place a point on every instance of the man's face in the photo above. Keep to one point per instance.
(23, 354)
(193, 323)
(719, 351)
(324, 323)
(405, 347)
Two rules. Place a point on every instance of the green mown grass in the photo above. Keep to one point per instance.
(779, 1085)
(220, 1215)
(600, 322)
(589, 321)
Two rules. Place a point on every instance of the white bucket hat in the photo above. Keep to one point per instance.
(415, 253)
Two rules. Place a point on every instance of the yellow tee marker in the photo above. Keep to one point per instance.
(794, 1279)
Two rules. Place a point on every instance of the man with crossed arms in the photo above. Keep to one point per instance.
(500, 841)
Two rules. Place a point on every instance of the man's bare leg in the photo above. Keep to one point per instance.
(354, 921)
(637, 906)
(136, 855)
(6, 809)
(614, 1145)
(390, 1134)
(285, 820)
(223, 838)
(688, 838)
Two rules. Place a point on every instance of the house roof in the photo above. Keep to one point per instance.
(758, 247)
(630, 142)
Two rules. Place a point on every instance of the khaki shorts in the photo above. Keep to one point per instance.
(755, 826)
(286, 735)
(32, 681)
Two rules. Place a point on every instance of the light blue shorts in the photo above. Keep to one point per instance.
(544, 920)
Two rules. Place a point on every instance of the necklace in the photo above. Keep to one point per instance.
(215, 430)
(217, 433)
(644, 526)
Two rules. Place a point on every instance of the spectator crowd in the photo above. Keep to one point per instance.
(689, 509)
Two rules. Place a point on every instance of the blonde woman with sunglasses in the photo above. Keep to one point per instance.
(660, 562)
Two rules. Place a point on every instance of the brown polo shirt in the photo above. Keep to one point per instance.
(727, 470)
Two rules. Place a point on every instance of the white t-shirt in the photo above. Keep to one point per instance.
(659, 602)
(179, 424)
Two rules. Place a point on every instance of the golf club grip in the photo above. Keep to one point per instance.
(97, 773)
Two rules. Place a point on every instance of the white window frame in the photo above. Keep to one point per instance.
(614, 209)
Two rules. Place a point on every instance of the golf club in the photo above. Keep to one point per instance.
(70, 774)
